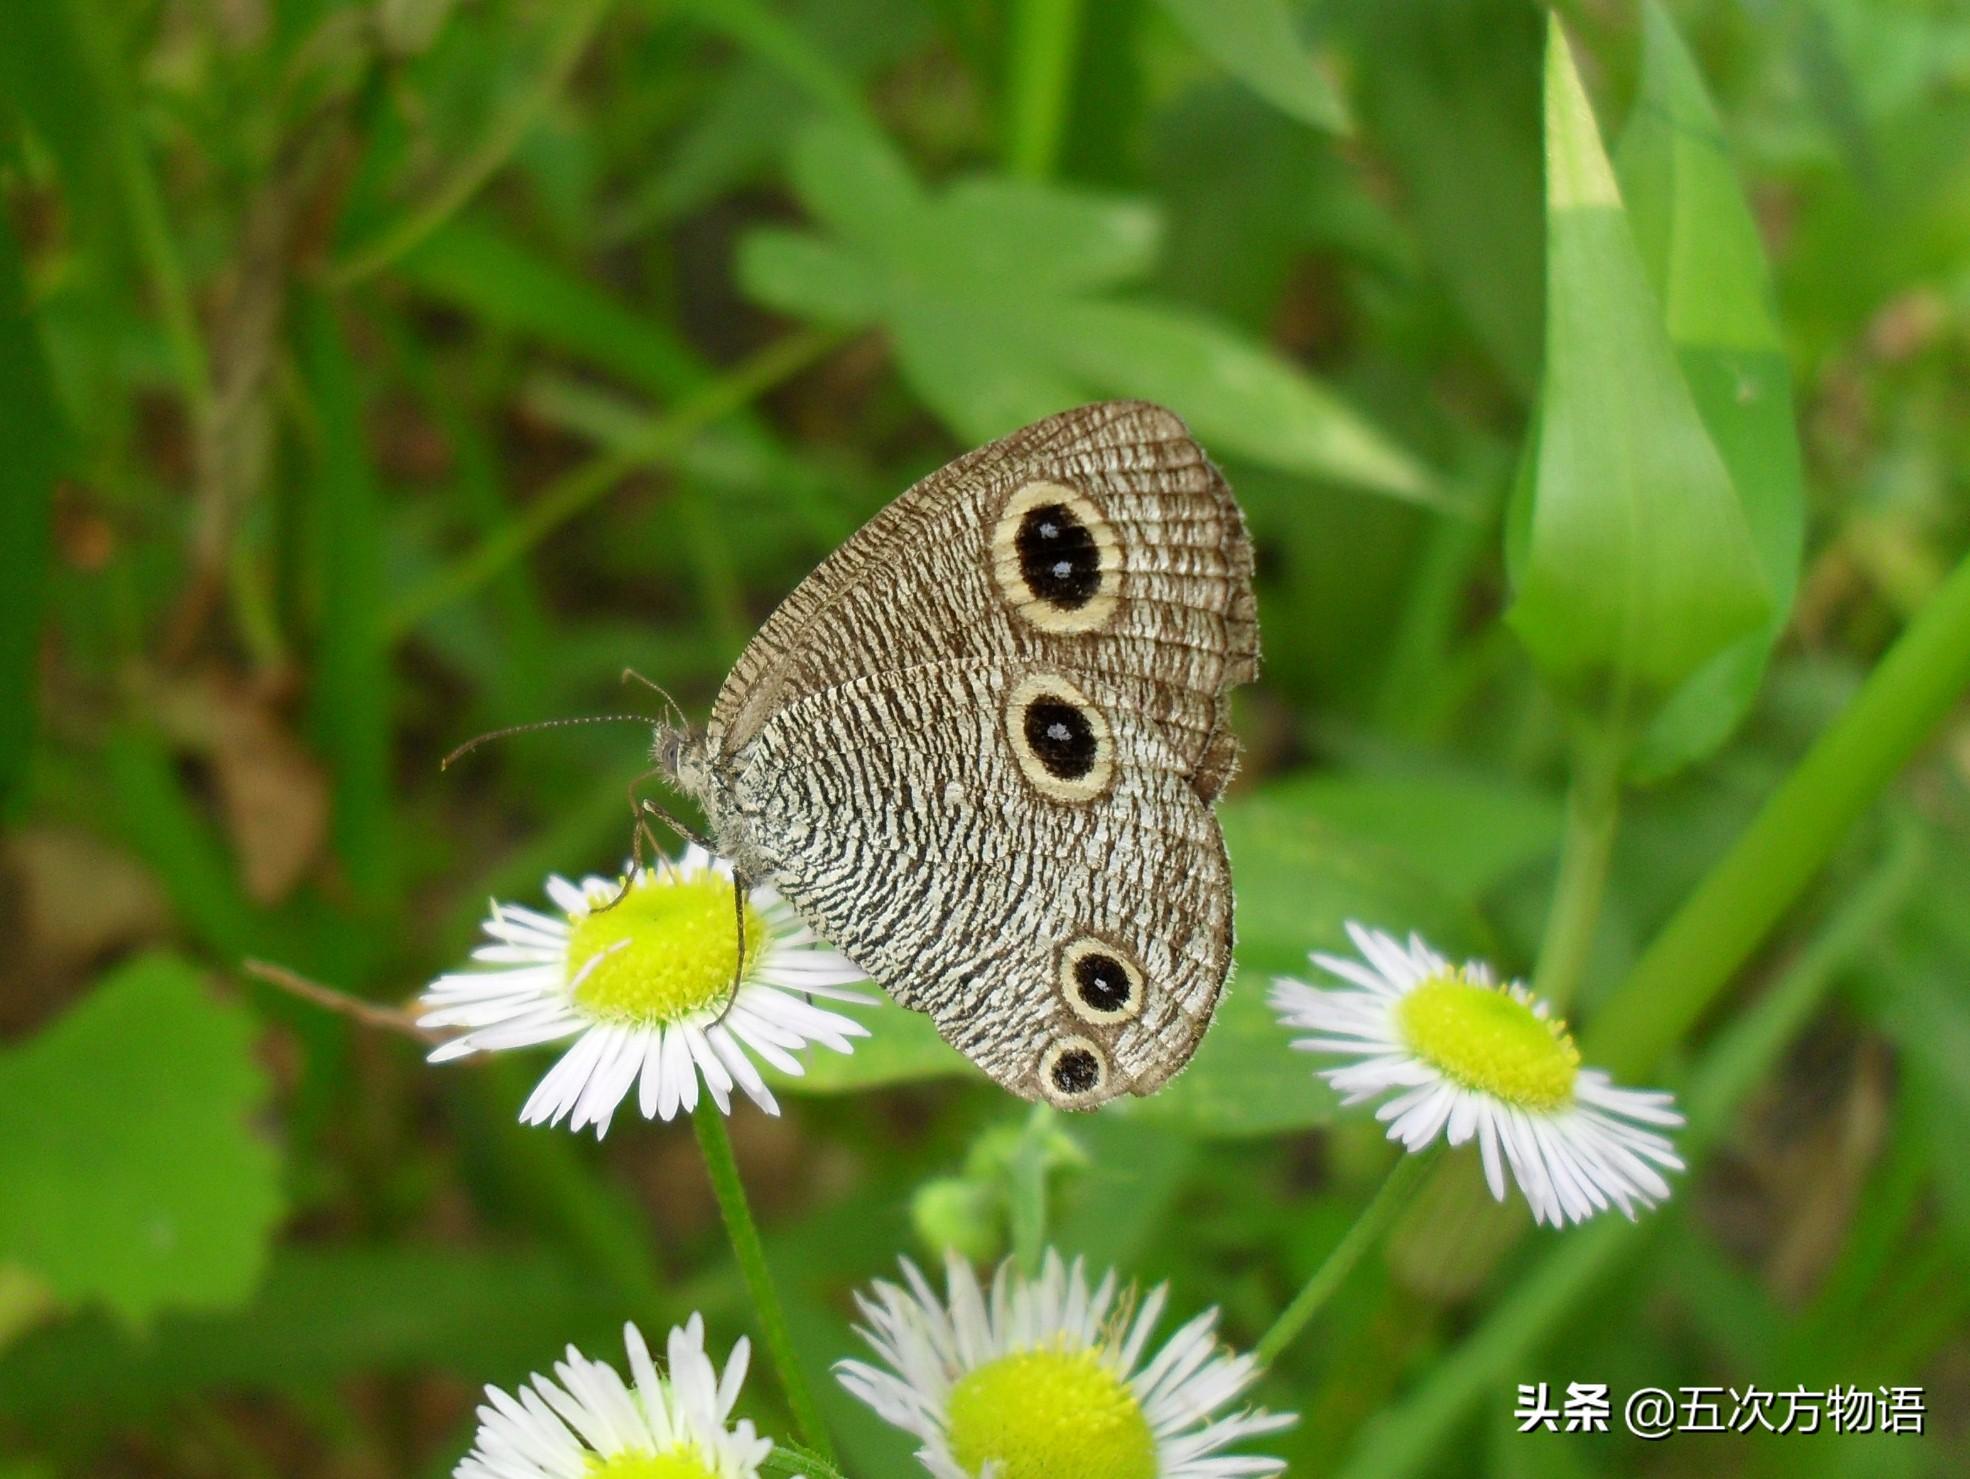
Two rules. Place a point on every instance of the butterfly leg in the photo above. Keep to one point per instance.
(739, 915)
(641, 808)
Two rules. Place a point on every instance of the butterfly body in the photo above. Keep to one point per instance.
(978, 748)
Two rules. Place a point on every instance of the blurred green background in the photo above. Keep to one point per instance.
(373, 374)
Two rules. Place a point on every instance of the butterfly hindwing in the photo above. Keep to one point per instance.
(1040, 875)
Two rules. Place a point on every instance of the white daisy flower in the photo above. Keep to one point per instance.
(644, 986)
(588, 1423)
(1045, 1379)
(1465, 1056)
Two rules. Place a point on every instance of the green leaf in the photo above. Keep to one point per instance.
(1256, 42)
(1702, 251)
(36, 447)
(1298, 883)
(1630, 558)
(902, 1047)
(994, 292)
(474, 267)
(133, 1176)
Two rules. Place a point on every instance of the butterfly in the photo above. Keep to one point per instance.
(978, 750)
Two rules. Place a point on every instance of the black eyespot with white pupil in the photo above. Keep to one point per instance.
(1058, 557)
(1102, 982)
(1076, 1071)
(1061, 737)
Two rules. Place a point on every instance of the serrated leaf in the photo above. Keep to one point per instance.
(1703, 254)
(994, 292)
(133, 1175)
(1256, 42)
(1631, 562)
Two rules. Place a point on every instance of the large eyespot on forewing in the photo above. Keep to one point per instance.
(1056, 558)
(1061, 739)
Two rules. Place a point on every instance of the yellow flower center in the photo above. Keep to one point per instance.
(685, 1462)
(1486, 1039)
(1050, 1414)
(666, 951)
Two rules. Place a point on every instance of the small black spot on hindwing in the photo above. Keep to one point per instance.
(1058, 556)
(1076, 1071)
(1102, 981)
(1060, 735)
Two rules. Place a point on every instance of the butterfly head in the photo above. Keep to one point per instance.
(680, 756)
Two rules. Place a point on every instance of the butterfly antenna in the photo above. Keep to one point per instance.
(472, 744)
(629, 674)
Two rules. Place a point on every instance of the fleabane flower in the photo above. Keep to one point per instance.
(586, 1422)
(645, 987)
(1464, 1056)
(1045, 1379)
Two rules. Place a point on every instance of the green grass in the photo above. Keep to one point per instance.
(380, 374)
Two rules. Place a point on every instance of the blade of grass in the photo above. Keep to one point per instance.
(351, 701)
(562, 49)
(1041, 39)
(1744, 895)
(143, 203)
(37, 445)
(578, 490)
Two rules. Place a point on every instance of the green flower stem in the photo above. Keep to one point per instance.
(723, 1169)
(1031, 1162)
(1593, 809)
(1042, 36)
(1743, 896)
(1396, 1191)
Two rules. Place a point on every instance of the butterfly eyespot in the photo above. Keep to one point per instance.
(1073, 1071)
(1062, 741)
(1101, 982)
(1056, 558)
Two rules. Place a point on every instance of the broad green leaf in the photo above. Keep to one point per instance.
(1257, 42)
(1630, 558)
(994, 292)
(36, 448)
(134, 1176)
(1462, 834)
(1236, 396)
(1702, 251)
